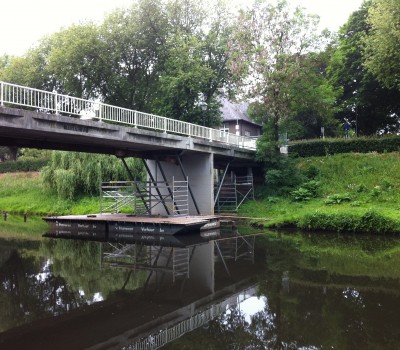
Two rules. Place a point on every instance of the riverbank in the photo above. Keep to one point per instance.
(345, 193)
(342, 193)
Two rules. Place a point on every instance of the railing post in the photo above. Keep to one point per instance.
(135, 119)
(100, 112)
(210, 134)
(2, 94)
(55, 103)
(165, 125)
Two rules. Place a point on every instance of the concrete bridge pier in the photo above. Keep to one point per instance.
(197, 168)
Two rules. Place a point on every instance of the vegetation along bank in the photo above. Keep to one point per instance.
(353, 192)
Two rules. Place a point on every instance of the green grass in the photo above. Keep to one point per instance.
(24, 193)
(370, 181)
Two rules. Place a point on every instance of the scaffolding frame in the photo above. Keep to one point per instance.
(140, 197)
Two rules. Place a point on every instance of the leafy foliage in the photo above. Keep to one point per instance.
(306, 191)
(382, 51)
(369, 106)
(73, 174)
(337, 198)
(269, 49)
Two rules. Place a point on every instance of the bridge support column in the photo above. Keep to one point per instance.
(199, 170)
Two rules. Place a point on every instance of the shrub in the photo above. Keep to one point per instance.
(369, 222)
(311, 172)
(301, 194)
(337, 198)
(326, 147)
(306, 191)
(312, 186)
(27, 164)
(282, 176)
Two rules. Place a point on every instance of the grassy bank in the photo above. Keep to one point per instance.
(24, 193)
(353, 193)
(349, 193)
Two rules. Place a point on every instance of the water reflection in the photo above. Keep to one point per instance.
(140, 287)
(218, 290)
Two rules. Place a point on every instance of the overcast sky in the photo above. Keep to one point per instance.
(24, 22)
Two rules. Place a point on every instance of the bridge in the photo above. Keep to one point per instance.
(172, 150)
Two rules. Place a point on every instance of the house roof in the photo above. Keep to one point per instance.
(234, 111)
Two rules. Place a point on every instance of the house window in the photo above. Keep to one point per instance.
(247, 133)
(224, 128)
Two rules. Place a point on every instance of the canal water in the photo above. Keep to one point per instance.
(218, 290)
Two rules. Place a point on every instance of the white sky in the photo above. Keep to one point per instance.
(24, 22)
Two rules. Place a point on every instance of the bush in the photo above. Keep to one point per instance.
(369, 222)
(27, 164)
(317, 148)
(306, 191)
(338, 198)
(301, 195)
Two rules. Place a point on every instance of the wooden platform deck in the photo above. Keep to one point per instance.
(110, 226)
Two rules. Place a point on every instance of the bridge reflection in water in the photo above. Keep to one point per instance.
(190, 280)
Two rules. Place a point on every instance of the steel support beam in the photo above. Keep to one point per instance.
(155, 186)
(166, 181)
(190, 190)
(222, 181)
(134, 181)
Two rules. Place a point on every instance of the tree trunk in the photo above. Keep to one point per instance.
(13, 153)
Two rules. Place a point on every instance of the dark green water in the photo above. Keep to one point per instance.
(266, 291)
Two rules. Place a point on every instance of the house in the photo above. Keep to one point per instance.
(236, 120)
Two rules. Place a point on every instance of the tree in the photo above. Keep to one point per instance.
(74, 60)
(312, 100)
(72, 174)
(134, 44)
(382, 50)
(370, 107)
(195, 68)
(268, 51)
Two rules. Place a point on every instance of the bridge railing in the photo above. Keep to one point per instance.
(53, 102)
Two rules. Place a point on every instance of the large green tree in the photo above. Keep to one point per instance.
(134, 41)
(363, 101)
(269, 50)
(195, 66)
(382, 51)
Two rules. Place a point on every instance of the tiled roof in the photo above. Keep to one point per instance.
(234, 111)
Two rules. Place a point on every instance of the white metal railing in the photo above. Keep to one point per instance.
(53, 102)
